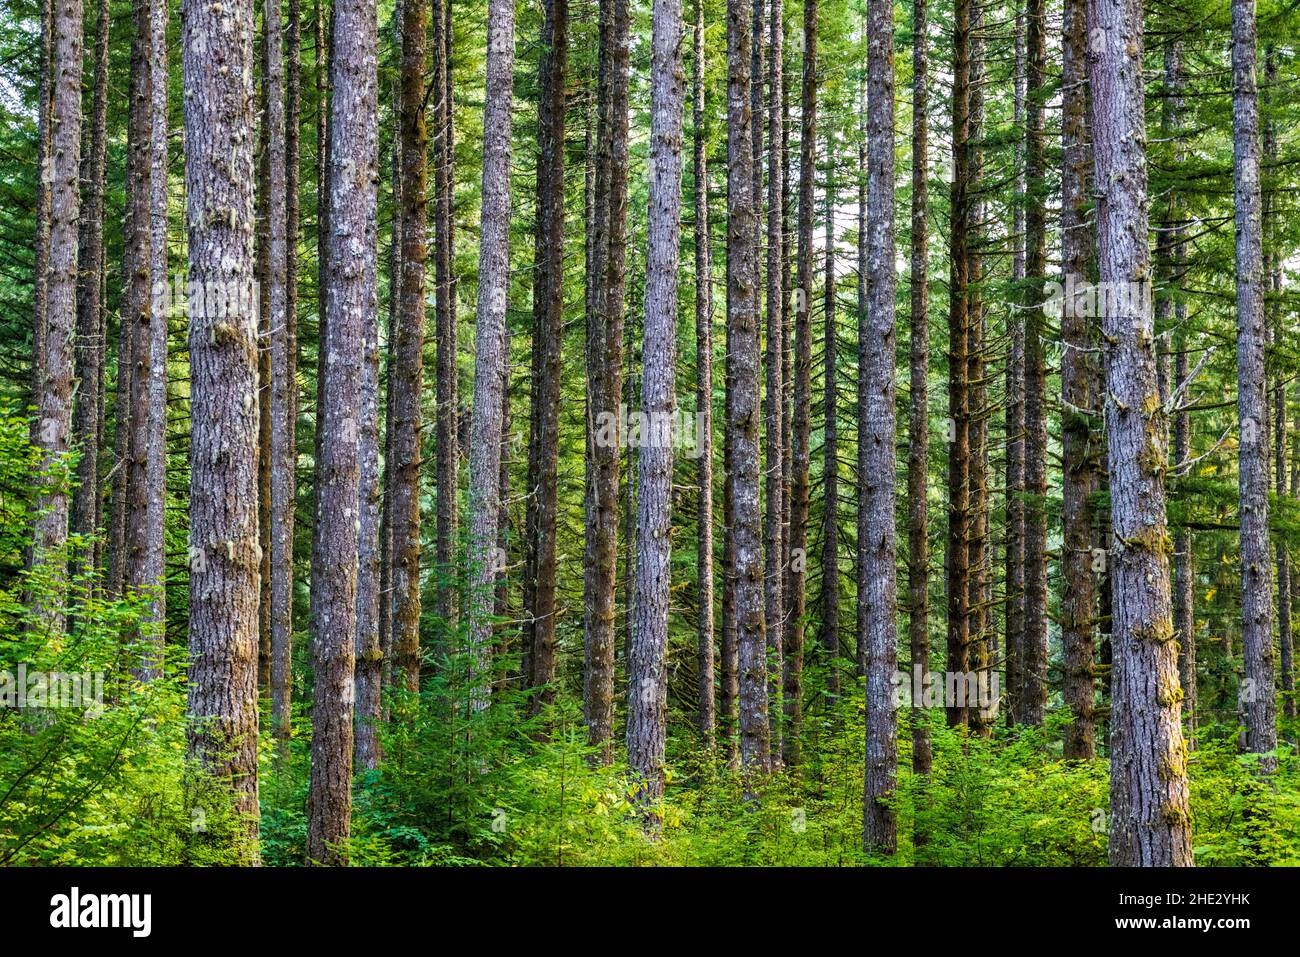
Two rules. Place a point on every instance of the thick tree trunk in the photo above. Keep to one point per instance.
(217, 51)
(1150, 817)
(350, 307)
(489, 339)
(918, 419)
(1078, 397)
(876, 577)
(707, 721)
(745, 561)
(647, 681)
(1257, 692)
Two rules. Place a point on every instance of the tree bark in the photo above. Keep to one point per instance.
(350, 308)
(489, 338)
(406, 379)
(745, 561)
(1258, 690)
(217, 52)
(957, 553)
(647, 682)
(91, 320)
(548, 319)
(802, 368)
(876, 576)
(707, 720)
(1150, 817)
(1032, 699)
(918, 420)
(605, 374)
(1078, 397)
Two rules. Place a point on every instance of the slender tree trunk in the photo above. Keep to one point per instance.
(44, 173)
(447, 458)
(647, 681)
(1014, 640)
(223, 551)
(918, 419)
(281, 462)
(876, 577)
(745, 561)
(1150, 816)
(1184, 595)
(802, 367)
(548, 318)
(605, 374)
(91, 321)
(707, 721)
(1258, 692)
(284, 397)
(1032, 703)
(979, 643)
(489, 338)
(830, 594)
(142, 537)
(1078, 398)
(406, 379)
(957, 555)
(350, 307)
(1274, 286)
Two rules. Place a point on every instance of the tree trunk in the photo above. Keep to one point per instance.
(957, 554)
(647, 682)
(918, 419)
(707, 721)
(745, 561)
(1013, 644)
(548, 320)
(489, 339)
(91, 320)
(1032, 700)
(447, 458)
(1150, 817)
(406, 378)
(217, 51)
(143, 531)
(282, 387)
(802, 366)
(284, 416)
(605, 374)
(1258, 691)
(876, 577)
(1078, 398)
(350, 308)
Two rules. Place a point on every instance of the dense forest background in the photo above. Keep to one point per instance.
(325, 636)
